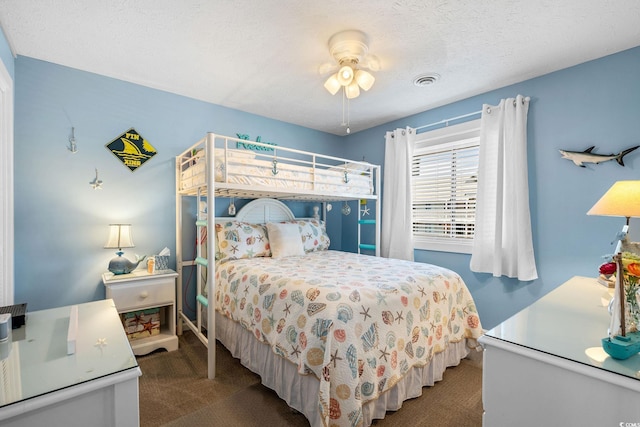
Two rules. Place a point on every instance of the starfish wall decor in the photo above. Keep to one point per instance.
(96, 183)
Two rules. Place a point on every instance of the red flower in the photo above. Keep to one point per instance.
(608, 268)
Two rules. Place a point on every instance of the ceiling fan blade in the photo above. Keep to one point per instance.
(327, 67)
(371, 62)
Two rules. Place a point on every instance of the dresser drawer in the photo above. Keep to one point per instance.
(127, 296)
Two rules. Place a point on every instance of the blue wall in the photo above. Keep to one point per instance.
(61, 221)
(596, 103)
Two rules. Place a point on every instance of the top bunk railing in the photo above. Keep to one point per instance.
(254, 169)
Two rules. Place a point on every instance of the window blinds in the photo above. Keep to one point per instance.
(444, 183)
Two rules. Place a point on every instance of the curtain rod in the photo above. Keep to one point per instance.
(446, 121)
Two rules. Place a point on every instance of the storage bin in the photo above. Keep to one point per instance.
(162, 262)
(142, 323)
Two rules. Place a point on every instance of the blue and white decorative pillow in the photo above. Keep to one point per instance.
(314, 235)
(238, 240)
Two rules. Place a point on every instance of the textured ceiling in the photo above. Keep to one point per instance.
(262, 56)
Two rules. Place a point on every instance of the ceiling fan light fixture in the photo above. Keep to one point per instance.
(332, 84)
(345, 75)
(350, 50)
(364, 79)
(352, 90)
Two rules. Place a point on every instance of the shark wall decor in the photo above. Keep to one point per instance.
(587, 156)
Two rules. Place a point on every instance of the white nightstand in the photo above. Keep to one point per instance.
(140, 290)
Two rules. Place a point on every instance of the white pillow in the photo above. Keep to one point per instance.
(285, 240)
(313, 234)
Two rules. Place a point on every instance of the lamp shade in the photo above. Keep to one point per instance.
(352, 91)
(345, 75)
(332, 84)
(365, 79)
(119, 237)
(622, 199)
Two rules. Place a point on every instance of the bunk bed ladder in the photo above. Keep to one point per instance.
(199, 263)
(375, 246)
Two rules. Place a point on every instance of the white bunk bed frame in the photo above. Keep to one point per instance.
(209, 186)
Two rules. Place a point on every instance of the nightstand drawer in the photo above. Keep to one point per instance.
(142, 295)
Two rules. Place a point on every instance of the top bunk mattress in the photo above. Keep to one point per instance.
(258, 170)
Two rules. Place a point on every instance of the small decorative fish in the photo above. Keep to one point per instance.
(587, 156)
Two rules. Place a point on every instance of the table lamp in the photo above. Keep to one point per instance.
(622, 199)
(120, 237)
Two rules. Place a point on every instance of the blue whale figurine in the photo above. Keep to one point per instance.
(121, 265)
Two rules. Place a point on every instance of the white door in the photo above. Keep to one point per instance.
(6, 187)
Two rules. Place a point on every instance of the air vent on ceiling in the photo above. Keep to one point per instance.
(426, 79)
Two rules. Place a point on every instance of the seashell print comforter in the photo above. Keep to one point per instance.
(356, 322)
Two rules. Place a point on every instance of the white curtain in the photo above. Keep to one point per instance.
(502, 244)
(397, 233)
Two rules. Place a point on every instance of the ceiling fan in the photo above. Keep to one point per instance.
(350, 49)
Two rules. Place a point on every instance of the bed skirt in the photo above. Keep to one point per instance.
(301, 391)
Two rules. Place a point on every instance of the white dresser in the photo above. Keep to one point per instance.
(545, 366)
(42, 385)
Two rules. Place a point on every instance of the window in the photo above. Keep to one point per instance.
(444, 181)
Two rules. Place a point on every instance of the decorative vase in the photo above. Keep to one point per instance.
(632, 306)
